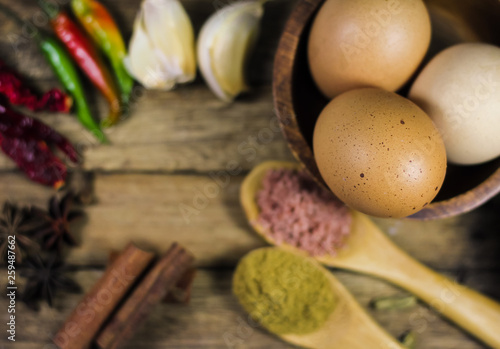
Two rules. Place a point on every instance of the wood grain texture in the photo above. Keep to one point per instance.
(214, 318)
(180, 131)
(289, 80)
(155, 210)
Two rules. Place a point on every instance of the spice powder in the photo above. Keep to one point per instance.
(284, 292)
(296, 211)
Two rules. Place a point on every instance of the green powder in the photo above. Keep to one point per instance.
(284, 292)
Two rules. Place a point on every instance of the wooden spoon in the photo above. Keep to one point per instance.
(347, 327)
(369, 251)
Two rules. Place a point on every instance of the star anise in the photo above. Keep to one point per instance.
(18, 223)
(44, 278)
(56, 231)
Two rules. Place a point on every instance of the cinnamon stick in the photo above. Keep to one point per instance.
(85, 321)
(181, 292)
(152, 289)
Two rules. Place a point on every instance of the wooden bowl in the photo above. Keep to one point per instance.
(298, 102)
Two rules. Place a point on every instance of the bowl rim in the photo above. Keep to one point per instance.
(284, 64)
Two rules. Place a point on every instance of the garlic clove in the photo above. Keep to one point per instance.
(162, 50)
(143, 62)
(224, 46)
(171, 32)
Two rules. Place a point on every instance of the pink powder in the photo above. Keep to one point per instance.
(297, 211)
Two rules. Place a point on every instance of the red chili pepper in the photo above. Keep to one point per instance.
(87, 57)
(12, 86)
(36, 160)
(26, 141)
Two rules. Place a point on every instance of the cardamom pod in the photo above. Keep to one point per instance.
(409, 340)
(394, 303)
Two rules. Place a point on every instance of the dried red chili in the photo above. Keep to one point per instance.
(26, 141)
(18, 93)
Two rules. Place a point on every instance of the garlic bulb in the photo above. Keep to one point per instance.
(162, 49)
(225, 43)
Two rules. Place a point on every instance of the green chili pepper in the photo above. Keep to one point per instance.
(101, 27)
(66, 72)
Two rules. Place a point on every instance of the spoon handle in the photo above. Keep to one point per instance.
(472, 311)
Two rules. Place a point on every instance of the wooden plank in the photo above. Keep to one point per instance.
(192, 130)
(146, 209)
(158, 209)
(183, 130)
(215, 320)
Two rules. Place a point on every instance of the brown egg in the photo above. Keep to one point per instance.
(367, 43)
(379, 153)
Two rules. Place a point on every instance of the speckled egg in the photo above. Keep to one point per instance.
(379, 153)
(367, 43)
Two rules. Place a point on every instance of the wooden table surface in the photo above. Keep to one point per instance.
(172, 148)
